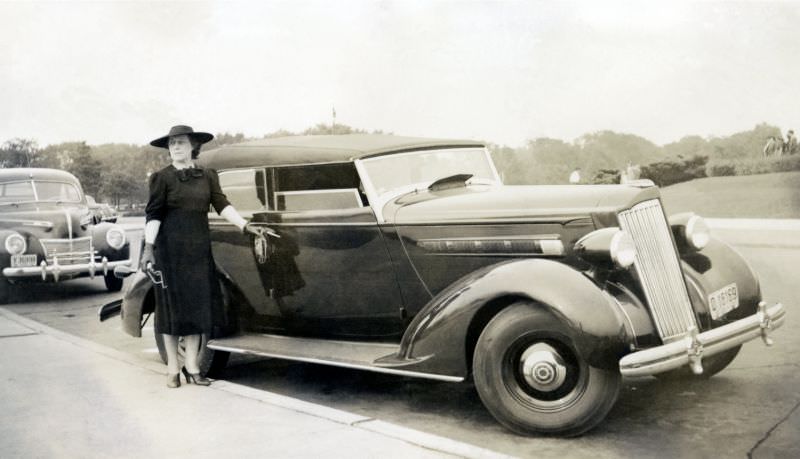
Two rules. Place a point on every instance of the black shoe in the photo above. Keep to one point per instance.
(174, 381)
(198, 379)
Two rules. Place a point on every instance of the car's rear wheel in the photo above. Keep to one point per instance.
(532, 380)
(711, 366)
(113, 283)
(211, 362)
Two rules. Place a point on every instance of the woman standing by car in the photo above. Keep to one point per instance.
(177, 242)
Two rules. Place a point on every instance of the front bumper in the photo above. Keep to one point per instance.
(56, 270)
(692, 349)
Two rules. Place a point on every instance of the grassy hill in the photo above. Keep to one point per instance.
(774, 195)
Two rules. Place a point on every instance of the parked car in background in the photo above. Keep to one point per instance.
(48, 234)
(101, 212)
(409, 256)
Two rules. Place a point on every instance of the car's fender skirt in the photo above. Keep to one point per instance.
(437, 338)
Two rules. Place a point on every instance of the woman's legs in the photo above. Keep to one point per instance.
(171, 346)
(192, 343)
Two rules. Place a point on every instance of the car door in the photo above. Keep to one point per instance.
(329, 272)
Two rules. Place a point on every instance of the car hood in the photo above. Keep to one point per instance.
(477, 203)
(51, 221)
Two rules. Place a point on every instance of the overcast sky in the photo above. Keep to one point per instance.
(501, 71)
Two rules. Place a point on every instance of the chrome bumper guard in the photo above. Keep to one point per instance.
(55, 269)
(695, 346)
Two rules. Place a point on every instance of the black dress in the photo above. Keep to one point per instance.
(191, 303)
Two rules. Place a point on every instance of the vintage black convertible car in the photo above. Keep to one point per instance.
(48, 233)
(409, 256)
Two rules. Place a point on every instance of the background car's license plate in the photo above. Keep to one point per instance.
(23, 261)
(723, 301)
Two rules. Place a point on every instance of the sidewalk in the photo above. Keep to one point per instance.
(63, 396)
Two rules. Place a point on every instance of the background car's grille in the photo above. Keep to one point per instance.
(68, 251)
(658, 268)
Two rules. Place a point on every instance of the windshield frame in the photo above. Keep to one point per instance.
(378, 201)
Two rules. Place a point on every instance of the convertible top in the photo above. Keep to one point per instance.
(318, 149)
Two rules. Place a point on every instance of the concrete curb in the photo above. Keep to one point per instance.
(414, 437)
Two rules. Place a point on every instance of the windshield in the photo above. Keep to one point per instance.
(422, 168)
(28, 191)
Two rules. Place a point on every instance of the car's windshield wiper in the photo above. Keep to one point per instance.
(452, 181)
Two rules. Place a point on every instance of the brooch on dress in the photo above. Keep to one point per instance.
(189, 173)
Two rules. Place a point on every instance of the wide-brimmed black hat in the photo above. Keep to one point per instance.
(162, 142)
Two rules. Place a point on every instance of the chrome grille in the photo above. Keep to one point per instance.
(659, 269)
(68, 251)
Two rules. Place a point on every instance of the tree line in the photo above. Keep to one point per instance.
(117, 173)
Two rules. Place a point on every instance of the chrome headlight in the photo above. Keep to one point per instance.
(607, 245)
(691, 231)
(115, 237)
(15, 244)
(697, 233)
(622, 249)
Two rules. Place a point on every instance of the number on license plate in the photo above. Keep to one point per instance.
(23, 261)
(723, 301)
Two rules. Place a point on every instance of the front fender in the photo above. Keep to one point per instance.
(437, 337)
(713, 268)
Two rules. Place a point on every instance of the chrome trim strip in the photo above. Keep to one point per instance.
(693, 348)
(38, 223)
(354, 366)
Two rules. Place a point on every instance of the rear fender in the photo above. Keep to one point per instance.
(139, 300)
(437, 337)
(136, 301)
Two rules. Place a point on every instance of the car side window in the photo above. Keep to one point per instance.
(244, 188)
(316, 187)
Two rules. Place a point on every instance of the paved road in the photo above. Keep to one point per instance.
(750, 409)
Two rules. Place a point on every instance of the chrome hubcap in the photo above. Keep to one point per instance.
(543, 367)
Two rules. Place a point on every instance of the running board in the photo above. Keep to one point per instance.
(347, 354)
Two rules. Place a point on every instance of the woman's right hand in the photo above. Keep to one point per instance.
(147, 257)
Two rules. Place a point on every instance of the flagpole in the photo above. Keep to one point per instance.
(333, 124)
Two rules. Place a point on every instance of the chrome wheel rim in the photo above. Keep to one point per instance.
(543, 367)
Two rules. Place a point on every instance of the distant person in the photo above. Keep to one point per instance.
(772, 147)
(790, 146)
(632, 172)
(575, 176)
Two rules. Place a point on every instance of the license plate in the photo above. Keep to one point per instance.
(23, 261)
(723, 301)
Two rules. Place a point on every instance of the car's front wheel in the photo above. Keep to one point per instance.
(211, 362)
(532, 380)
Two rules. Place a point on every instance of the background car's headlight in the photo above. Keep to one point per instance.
(623, 249)
(115, 236)
(697, 233)
(15, 244)
(607, 245)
